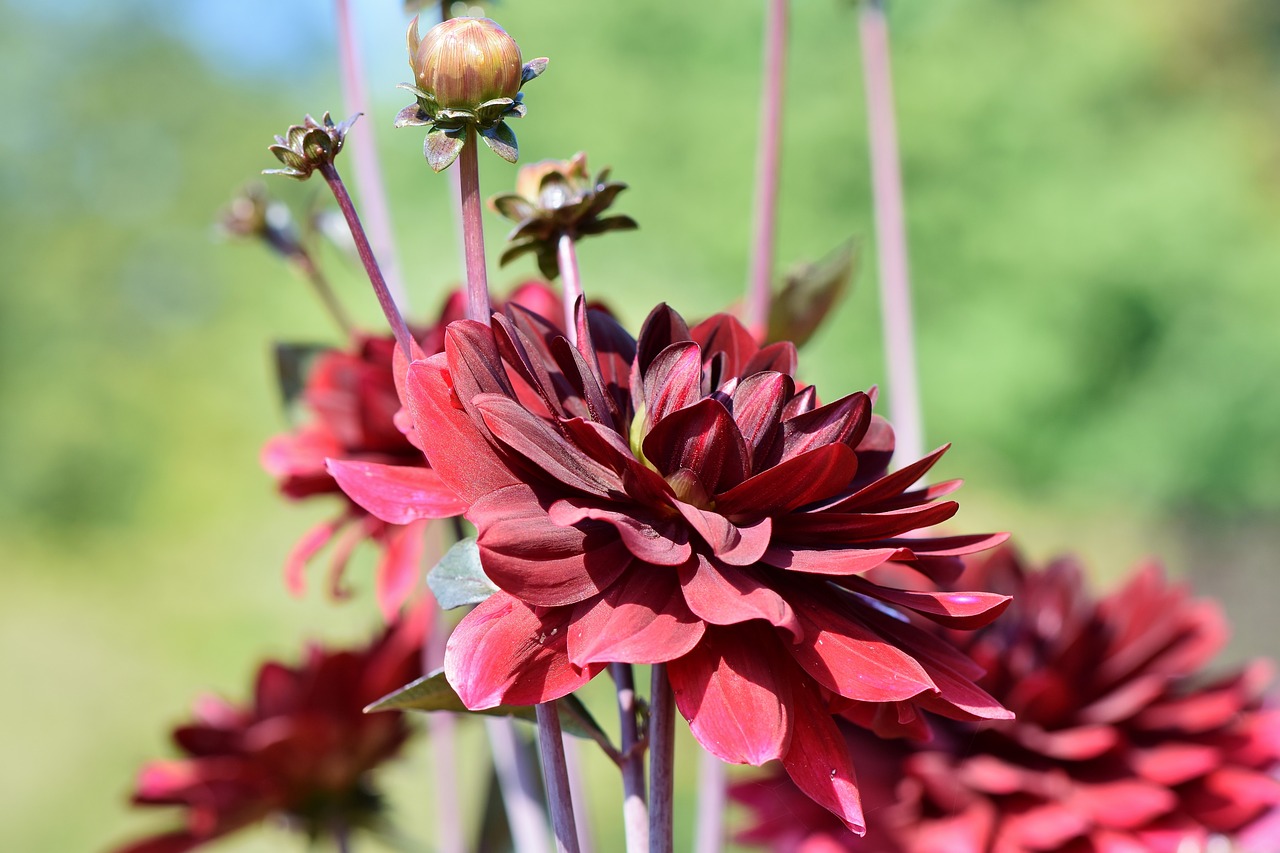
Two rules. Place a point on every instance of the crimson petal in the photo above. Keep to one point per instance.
(400, 566)
(640, 619)
(798, 481)
(396, 494)
(506, 653)
(966, 610)
(734, 690)
(702, 438)
(818, 760)
(737, 545)
(757, 409)
(726, 595)
(830, 561)
(660, 541)
(529, 556)
(673, 381)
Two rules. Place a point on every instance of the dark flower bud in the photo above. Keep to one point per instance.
(306, 147)
(465, 62)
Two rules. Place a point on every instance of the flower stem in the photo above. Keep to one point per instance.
(398, 327)
(712, 781)
(768, 159)
(373, 194)
(320, 284)
(555, 775)
(571, 285)
(635, 812)
(442, 728)
(578, 791)
(891, 234)
(478, 307)
(518, 784)
(342, 838)
(662, 747)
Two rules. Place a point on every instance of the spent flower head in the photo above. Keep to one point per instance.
(555, 198)
(308, 146)
(468, 73)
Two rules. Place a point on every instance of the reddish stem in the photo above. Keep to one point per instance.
(891, 235)
(478, 307)
(768, 160)
(398, 327)
(662, 748)
(555, 774)
(571, 286)
(635, 812)
(373, 193)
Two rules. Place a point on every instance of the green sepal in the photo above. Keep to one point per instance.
(442, 147)
(548, 262)
(288, 173)
(412, 116)
(808, 294)
(434, 693)
(619, 222)
(516, 251)
(514, 207)
(502, 141)
(458, 580)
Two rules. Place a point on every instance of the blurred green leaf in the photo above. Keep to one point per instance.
(458, 580)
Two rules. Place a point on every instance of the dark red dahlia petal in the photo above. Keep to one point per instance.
(804, 401)
(757, 409)
(662, 328)
(552, 390)
(467, 463)
(276, 690)
(400, 567)
(780, 357)
(727, 595)
(505, 652)
(536, 560)
(847, 528)
(641, 619)
(203, 741)
(800, 480)
(737, 545)
(818, 758)
(1122, 804)
(544, 447)
(641, 483)
(965, 610)
(702, 438)
(672, 382)
(612, 350)
(396, 494)
(1231, 797)
(844, 421)
(725, 334)
(1174, 763)
(650, 537)
(734, 688)
(1078, 743)
(585, 384)
(829, 561)
(1126, 700)
(887, 487)
(1039, 826)
(475, 365)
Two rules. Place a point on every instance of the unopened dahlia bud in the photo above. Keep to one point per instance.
(467, 75)
(465, 62)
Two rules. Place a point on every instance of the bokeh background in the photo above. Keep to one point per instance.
(1094, 215)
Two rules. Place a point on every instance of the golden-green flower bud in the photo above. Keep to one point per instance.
(465, 62)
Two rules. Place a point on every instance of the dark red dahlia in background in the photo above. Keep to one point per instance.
(351, 398)
(680, 499)
(302, 750)
(1120, 745)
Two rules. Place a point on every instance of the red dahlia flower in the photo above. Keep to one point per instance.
(681, 500)
(302, 750)
(1118, 747)
(352, 399)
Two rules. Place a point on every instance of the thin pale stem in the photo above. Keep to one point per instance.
(578, 792)
(398, 327)
(635, 812)
(478, 307)
(891, 235)
(444, 757)
(712, 781)
(662, 748)
(555, 775)
(342, 838)
(768, 167)
(570, 284)
(518, 784)
(373, 193)
(320, 284)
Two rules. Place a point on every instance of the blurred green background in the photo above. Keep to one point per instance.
(1093, 192)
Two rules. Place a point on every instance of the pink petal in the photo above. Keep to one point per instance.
(734, 690)
(1174, 763)
(400, 567)
(396, 494)
(468, 464)
(818, 758)
(640, 619)
(725, 595)
(966, 610)
(539, 562)
(1126, 804)
(504, 652)
(295, 566)
(662, 542)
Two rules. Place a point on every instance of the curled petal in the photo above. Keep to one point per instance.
(966, 610)
(640, 619)
(396, 494)
(800, 480)
(737, 545)
(727, 595)
(660, 541)
(818, 760)
(702, 438)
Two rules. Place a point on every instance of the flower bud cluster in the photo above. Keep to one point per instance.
(308, 146)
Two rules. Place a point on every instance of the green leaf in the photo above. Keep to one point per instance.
(434, 693)
(442, 147)
(502, 140)
(458, 579)
(514, 207)
(808, 295)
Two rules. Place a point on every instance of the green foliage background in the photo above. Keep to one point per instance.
(1093, 210)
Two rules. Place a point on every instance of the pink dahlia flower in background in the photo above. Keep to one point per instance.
(302, 750)
(352, 403)
(681, 499)
(1120, 745)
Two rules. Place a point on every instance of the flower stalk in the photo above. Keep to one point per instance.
(713, 795)
(635, 811)
(768, 167)
(398, 327)
(662, 746)
(478, 307)
(555, 774)
(373, 194)
(518, 786)
(571, 286)
(891, 233)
